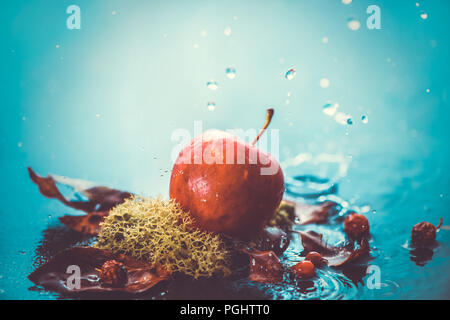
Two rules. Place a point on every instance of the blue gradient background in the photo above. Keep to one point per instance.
(139, 70)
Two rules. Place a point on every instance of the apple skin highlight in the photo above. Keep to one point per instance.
(229, 195)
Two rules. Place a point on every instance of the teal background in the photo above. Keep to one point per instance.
(139, 71)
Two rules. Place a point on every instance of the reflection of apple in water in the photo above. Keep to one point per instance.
(221, 191)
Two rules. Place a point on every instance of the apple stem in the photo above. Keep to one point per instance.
(269, 115)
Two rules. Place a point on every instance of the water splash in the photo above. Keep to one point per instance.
(324, 165)
(327, 285)
(307, 186)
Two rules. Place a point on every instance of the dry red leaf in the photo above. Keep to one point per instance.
(99, 200)
(54, 274)
(336, 256)
(272, 238)
(265, 266)
(313, 213)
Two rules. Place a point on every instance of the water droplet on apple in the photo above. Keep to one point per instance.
(231, 73)
(290, 74)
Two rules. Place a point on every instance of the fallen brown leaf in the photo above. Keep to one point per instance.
(265, 266)
(312, 213)
(336, 256)
(54, 274)
(99, 200)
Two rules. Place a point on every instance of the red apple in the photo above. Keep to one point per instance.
(222, 192)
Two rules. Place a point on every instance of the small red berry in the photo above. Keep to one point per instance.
(315, 258)
(114, 273)
(304, 269)
(424, 233)
(356, 226)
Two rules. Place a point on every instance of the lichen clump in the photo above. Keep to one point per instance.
(158, 232)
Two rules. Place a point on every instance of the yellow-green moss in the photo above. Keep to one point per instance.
(158, 232)
(284, 216)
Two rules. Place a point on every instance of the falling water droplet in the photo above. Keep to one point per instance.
(365, 209)
(230, 72)
(203, 33)
(346, 1)
(342, 118)
(211, 106)
(227, 31)
(330, 108)
(364, 119)
(349, 121)
(290, 74)
(212, 85)
(353, 24)
(324, 83)
(424, 15)
(324, 40)
(20, 144)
